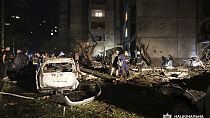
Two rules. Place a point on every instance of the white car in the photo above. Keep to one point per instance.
(57, 75)
(60, 76)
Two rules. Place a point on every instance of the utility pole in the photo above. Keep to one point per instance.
(2, 24)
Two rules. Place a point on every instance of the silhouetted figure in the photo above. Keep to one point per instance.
(167, 61)
(114, 63)
(19, 61)
(123, 63)
(164, 61)
(6, 61)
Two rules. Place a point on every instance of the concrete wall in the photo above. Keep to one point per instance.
(73, 22)
(79, 25)
(117, 21)
(168, 26)
(63, 32)
(76, 19)
(110, 27)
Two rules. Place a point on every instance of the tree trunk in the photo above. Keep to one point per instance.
(143, 50)
(87, 51)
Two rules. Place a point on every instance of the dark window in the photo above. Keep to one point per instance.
(99, 37)
(97, 25)
(98, 2)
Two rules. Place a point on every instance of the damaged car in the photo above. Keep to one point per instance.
(60, 77)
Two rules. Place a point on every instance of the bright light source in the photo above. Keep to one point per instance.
(55, 30)
(31, 32)
(126, 32)
(7, 24)
(98, 13)
(51, 34)
(17, 17)
(126, 16)
(56, 27)
(44, 21)
(40, 24)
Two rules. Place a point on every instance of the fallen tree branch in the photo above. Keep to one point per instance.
(20, 96)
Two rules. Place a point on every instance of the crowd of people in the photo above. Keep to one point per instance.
(118, 60)
(16, 61)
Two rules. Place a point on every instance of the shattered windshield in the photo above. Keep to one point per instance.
(57, 67)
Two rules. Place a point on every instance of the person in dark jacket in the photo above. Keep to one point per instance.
(19, 61)
(123, 63)
(6, 61)
(114, 63)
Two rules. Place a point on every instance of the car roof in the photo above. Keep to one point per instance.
(60, 60)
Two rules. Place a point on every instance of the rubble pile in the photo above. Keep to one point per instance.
(207, 66)
(150, 75)
(156, 75)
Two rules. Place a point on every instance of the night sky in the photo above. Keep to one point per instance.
(37, 19)
(34, 11)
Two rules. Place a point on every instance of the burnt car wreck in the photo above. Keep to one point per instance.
(60, 77)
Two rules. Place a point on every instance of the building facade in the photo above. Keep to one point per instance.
(169, 27)
(90, 20)
(104, 24)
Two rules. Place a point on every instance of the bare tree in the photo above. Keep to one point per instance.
(87, 49)
(144, 51)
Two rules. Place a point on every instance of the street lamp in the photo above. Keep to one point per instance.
(17, 17)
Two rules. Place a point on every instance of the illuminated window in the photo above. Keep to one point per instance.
(126, 16)
(98, 13)
(126, 32)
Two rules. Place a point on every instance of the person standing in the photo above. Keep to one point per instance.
(6, 61)
(114, 63)
(123, 62)
(164, 61)
(1, 60)
(76, 58)
(19, 61)
(170, 61)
